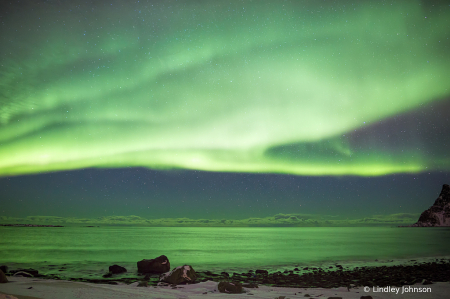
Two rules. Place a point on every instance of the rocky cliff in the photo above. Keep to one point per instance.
(439, 213)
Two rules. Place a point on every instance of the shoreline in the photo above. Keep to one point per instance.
(30, 225)
(351, 278)
(301, 277)
(95, 270)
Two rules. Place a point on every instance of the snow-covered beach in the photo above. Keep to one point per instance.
(30, 288)
(438, 286)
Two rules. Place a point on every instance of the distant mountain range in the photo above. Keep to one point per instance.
(293, 220)
(439, 213)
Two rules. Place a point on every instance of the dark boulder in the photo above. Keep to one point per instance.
(230, 287)
(4, 269)
(3, 278)
(157, 265)
(179, 275)
(116, 269)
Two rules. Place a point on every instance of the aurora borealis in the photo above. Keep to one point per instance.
(299, 88)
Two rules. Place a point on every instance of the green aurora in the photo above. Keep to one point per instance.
(241, 86)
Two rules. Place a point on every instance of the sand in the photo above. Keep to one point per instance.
(31, 288)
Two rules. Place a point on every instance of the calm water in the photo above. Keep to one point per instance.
(215, 248)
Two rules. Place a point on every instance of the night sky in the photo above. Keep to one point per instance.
(223, 110)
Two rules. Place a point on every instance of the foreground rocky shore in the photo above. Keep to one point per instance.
(31, 225)
(303, 277)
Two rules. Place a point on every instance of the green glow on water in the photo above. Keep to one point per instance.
(217, 87)
(215, 248)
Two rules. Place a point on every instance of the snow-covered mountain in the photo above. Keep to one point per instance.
(439, 213)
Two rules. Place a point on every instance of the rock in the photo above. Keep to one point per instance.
(28, 271)
(158, 265)
(116, 269)
(4, 296)
(230, 287)
(3, 278)
(179, 275)
(263, 272)
(107, 275)
(439, 213)
(142, 284)
(23, 274)
(426, 281)
(250, 285)
(4, 269)
(147, 277)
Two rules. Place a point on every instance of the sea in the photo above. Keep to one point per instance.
(87, 252)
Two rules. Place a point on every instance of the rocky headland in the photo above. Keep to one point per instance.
(439, 213)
